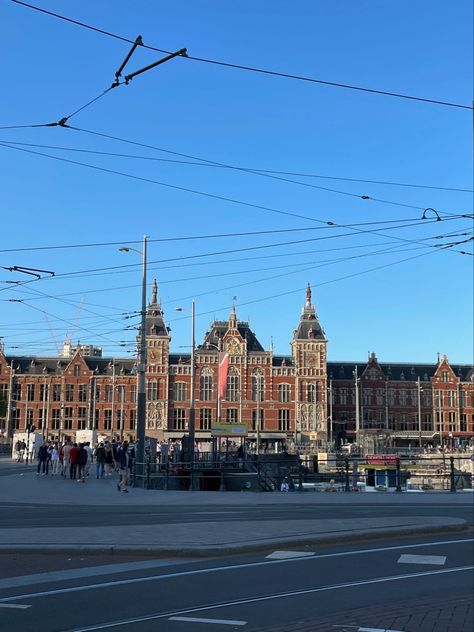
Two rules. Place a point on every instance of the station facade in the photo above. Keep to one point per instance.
(299, 398)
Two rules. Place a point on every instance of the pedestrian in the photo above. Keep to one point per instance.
(43, 459)
(285, 487)
(81, 460)
(109, 459)
(17, 450)
(88, 449)
(73, 461)
(66, 463)
(22, 451)
(124, 465)
(54, 460)
(100, 460)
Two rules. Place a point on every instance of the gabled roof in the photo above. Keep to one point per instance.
(218, 331)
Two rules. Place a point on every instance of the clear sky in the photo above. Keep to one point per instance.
(396, 291)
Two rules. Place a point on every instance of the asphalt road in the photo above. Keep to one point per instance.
(30, 515)
(337, 588)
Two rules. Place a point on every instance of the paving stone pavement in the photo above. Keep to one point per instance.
(415, 615)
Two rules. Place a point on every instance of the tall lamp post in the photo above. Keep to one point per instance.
(141, 369)
(192, 409)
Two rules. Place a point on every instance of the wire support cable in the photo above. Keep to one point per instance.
(253, 69)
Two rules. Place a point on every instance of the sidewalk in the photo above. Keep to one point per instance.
(21, 486)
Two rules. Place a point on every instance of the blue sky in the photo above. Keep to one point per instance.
(390, 292)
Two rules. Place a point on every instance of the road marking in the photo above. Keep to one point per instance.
(284, 555)
(218, 569)
(375, 630)
(439, 560)
(220, 621)
(14, 605)
(295, 593)
(89, 571)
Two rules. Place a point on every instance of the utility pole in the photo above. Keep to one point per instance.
(330, 413)
(113, 401)
(357, 419)
(9, 424)
(419, 413)
(192, 411)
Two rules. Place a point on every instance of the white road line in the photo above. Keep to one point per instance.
(438, 560)
(296, 593)
(20, 606)
(285, 555)
(218, 569)
(219, 621)
(376, 630)
(365, 629)
(89, 571)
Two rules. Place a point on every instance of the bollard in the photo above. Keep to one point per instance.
(398, 478)
(147, 466)
(346, 466)
(451, 475)
(300, 477)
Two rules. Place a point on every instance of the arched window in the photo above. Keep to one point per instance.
(258, 385)
(152, 391)
(206, 384)
(284, 393)
(233, 385)
(311, 392)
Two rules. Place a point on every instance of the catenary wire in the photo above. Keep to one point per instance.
(253, 69)
(196, 163)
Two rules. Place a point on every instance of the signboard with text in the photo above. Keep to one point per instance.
(382, 459)
(229, 430)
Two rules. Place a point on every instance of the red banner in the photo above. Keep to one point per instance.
(223, 368)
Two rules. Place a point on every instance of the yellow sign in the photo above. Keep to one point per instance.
(229, 430)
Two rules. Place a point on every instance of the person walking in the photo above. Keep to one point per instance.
(88, 449)
(100, 460)
(73, 461)
(109, 459)
(54, 460)
(22, 452)
(43, 459)
(17, 450)
(66, 463)
(81, 460)
(124, 466)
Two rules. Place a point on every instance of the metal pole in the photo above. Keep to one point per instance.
(330, 412)
(192, 412)
(357, 420)
(141, 402)
(9, 424)
(419, 412)
(113, 402)
(257, 377)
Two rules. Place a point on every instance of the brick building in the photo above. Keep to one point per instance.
(298, 398)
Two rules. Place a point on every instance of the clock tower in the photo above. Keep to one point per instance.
(157, 368)
(309, 346)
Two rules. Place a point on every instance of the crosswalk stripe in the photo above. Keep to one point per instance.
(436, 560)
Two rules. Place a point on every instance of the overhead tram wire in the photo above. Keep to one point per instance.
(253, 69)
(185, 189)
(260, 173)
(222, 235)
(265, 173)
(113, 269)
(199, 163)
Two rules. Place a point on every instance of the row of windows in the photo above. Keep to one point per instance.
(309, 392)
(78, 420)
(207, 415)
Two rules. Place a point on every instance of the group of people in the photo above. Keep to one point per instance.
(74, 461)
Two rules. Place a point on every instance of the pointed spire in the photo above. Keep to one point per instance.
(308, 296)
(154, 292)
(233, 318)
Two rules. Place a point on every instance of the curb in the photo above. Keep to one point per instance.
(215, 551)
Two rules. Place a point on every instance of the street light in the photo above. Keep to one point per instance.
(141, 368)
(192, 412)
